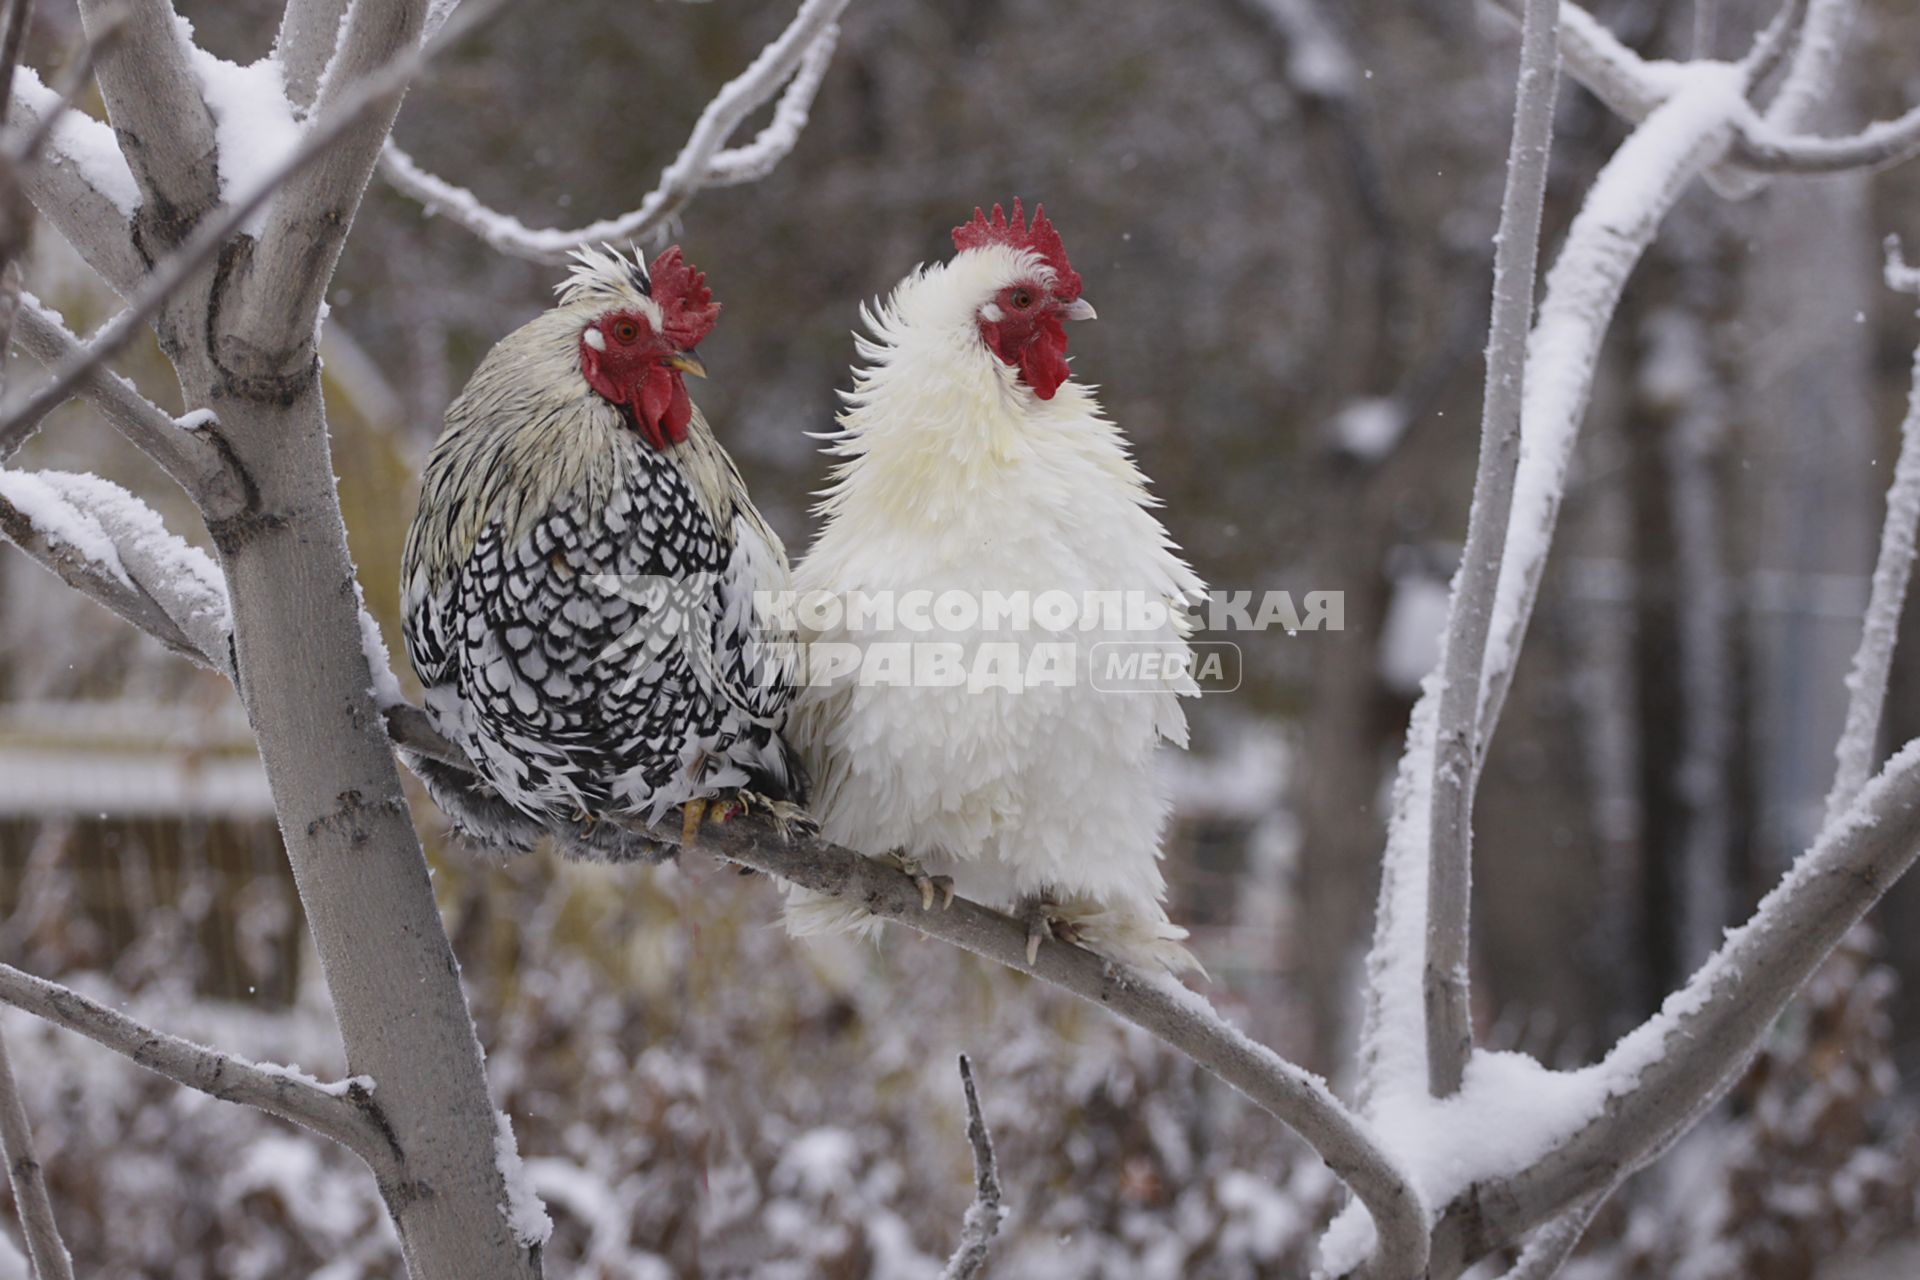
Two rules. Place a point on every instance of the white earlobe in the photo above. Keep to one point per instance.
(593, 339)
(992, 313)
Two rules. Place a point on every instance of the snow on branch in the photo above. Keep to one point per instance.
(797, 58)
(1764, 145)
(184, 453)
(343, 1111)
(986, 1213)
(28, 1180)
(1660, 1078)
(340, 122)
(112, 547)
(1157, 1003)
(78, 180)
(1618, 220)
(156, 109)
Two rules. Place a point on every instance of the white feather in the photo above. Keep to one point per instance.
(955, 476)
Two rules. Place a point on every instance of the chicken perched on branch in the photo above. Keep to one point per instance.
(977, 474)
(579, 581)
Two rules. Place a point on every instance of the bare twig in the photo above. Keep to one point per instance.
(343, 1111)
(44, 1246)
(1549, 1247)
(1461, 744)
(986, 1213)
(345, 120)
(798, 58)
(19, 13)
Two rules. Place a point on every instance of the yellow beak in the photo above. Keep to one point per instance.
(685, 362)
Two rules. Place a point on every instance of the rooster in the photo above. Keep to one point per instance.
(578, 585)
(970, 461)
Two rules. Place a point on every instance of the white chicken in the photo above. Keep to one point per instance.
(973, 469)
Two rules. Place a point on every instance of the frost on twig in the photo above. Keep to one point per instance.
(114, 548)
(29, 1182)
(342, 1111)
(1855, 753)
(986, 1213)
(797, 58)
(1461, 744)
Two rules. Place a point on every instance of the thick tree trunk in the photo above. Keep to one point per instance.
(349, 836)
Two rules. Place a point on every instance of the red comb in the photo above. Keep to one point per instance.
(1039, 239)
(687, 308)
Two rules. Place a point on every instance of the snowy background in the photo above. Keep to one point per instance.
(1282, 209)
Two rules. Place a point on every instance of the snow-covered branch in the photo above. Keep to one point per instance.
(1859, 743)
(1764, 145)
(185, 453)
(344, 1111)
(308, 37)
(25, 1176)
(1617, 221)
(797, 58)
(985, 1214)
(79, 182)
(1155, 1002)
(106, 544)
(1660, 1078)
(369, 97)
(1461, 743)
(314, 200)
(155, 106)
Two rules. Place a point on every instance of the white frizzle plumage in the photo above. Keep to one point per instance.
(968, 463)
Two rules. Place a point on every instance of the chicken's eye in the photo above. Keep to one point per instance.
(625, 330)
(1022, 299)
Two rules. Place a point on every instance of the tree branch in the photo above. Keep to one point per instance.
(164, 128)
(344, 1111)
(64, 181)
(188, 455)
(366, 97)
(1684, 136)
(1859, 742)
(1462, 740)
(111, 548)
(1663, 1076)
(1154, 1002)
(986, 1213)
(1763, 146)
(1549, 1247)
(308, 37)
(42, 1232)
(798, 57)
(280, 291)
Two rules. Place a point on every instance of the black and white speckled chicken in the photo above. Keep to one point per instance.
(578, 585)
